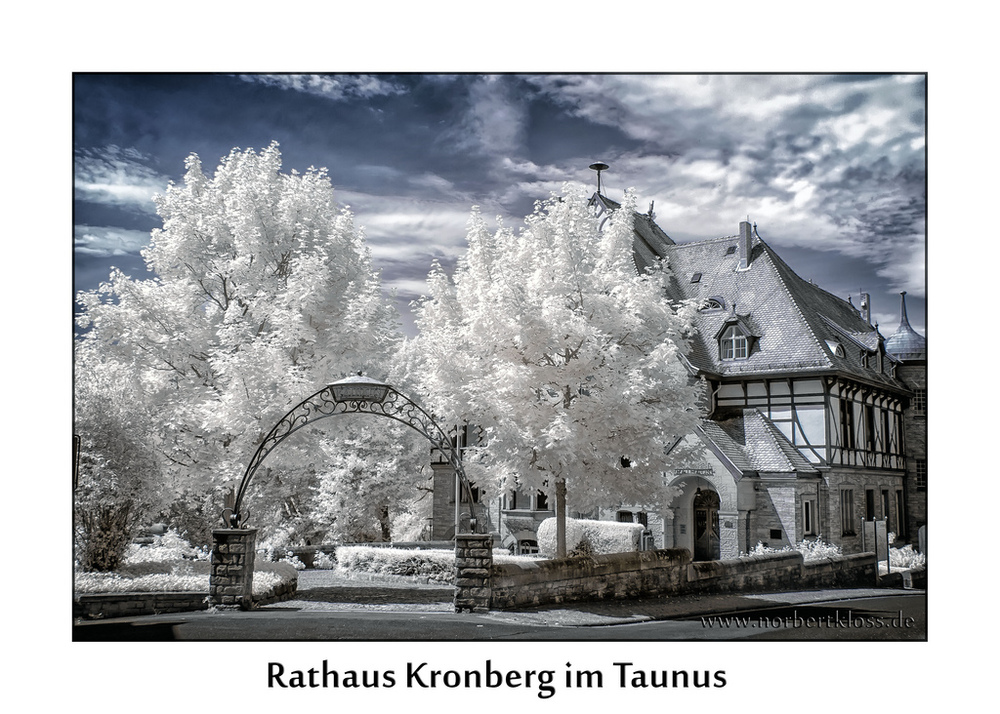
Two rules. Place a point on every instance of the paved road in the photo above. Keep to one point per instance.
(330, 608)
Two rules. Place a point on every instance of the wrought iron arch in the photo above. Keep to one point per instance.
(353, 395)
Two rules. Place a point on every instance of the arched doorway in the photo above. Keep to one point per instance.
(705, 517)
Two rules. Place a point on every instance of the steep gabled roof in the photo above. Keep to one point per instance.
(750, 444)
(799, 324)
(650, 240)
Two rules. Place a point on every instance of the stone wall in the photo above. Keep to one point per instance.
(108, 605)
(667, 572)
(614, 576)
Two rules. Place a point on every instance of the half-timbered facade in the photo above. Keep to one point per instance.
(804, 429)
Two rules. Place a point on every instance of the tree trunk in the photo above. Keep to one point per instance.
(561, 518)
(384, 524)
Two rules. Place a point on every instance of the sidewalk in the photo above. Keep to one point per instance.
(610, 612)
(391, 595)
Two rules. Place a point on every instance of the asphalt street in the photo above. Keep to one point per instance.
(326, 608)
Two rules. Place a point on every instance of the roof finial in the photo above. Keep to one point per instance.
(599, 166)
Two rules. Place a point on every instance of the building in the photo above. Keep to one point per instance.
(813, 423)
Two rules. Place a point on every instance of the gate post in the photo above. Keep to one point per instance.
(230, 581)
(473, 566)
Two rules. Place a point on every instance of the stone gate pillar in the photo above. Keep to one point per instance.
(230, 581)
(473, 563)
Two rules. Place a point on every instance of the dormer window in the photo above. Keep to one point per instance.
(714, 303)
(696, 278)
(737, 337)
(733, 344)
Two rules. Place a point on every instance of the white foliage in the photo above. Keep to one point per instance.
(569, 359)
(596, 537)
(262, 292)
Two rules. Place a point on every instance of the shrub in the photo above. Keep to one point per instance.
(906, 558)
(810, 549)
(586, 537)
(104, 534)
(168, 547)
(432, 564)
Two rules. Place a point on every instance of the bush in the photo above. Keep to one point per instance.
(432, 564)
(810, 550)
(906, 558)
(104, 534)
(168, 547)
(585, 537)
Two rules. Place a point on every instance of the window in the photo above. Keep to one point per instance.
(465, 493)
(869, 428)
(714, 303)
(733, 343)
(624, 516)
(920, 401)
(696, 278)
(869, 504)
(541, 501)
(921, 477)
(731, 250)
(847, 511)
(846, 424)
(809, 526)
(885, 509)
(900, 514)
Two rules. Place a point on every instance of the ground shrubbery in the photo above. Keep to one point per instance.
(171, 564)
(586, 537)
(432, 564)
(810, 550)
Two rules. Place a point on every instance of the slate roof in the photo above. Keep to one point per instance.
(799, 324)
(750, 444)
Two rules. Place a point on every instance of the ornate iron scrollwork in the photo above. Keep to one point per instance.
(353, 395)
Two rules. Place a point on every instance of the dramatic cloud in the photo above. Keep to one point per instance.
(333, 87)
(831, 168)
(118, 177)
(107, 242)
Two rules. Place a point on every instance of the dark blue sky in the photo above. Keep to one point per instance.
(830, 167)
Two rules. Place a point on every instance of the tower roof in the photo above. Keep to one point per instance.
(906, 343)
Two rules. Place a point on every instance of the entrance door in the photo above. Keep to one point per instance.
(706, 525)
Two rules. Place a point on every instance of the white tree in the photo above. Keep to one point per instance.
(262, 292)
(375, 475)
(568, 358)
(118, 482)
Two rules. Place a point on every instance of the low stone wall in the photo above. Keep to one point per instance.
(667, 572)
(615, 576)
(859, 570)
(108, 605)
(134, 604)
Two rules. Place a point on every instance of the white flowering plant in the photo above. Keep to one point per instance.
(810, 549)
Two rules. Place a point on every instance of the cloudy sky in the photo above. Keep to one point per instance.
(830, 167)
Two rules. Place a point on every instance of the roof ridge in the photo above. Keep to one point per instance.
(775, 259)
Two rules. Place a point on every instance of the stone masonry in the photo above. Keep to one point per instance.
(473, 565)
(230, 582)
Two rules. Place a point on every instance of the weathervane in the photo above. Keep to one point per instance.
(599, 166)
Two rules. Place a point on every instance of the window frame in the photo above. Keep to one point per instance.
(728, 341)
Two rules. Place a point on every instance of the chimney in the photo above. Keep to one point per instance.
(866, 308)
(744, 245)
